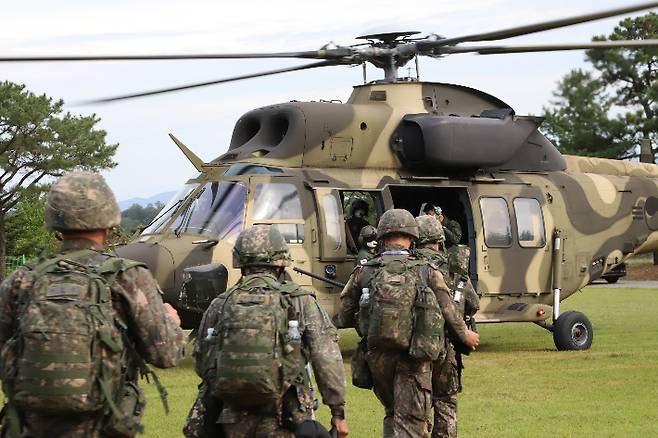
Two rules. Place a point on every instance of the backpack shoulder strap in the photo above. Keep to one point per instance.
(294, 290)
(49, 263)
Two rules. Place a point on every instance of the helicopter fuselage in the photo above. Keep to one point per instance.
(299, 165)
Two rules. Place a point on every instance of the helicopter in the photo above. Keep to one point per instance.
(540, 225)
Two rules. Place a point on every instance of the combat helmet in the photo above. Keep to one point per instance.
(81, 201)
(357, 204)
(430, 230)
(397, 220)
(260, 245)
(367, 234)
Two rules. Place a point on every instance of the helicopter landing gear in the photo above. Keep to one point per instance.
(573, 331)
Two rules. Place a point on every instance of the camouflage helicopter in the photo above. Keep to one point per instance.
(540, 225)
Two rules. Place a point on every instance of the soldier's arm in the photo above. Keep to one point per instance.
(8, 299)
(349, 301)
(321, 338)
(453, 232)
(454, 322)
(157, 337)
(209, 321)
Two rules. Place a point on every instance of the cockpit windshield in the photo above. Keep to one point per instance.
(163, 216)
(217, 210)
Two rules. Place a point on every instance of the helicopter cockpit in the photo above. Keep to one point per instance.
(215, 210)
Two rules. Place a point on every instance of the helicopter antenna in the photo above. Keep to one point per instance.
(365, 79)
(194, 158)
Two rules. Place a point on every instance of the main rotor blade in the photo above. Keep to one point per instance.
(313, 54)
(219, 81)
(537, 27)
(493, 50)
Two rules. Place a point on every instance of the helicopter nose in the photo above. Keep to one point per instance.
(167, 258)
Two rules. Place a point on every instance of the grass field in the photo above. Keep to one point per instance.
(517, 385)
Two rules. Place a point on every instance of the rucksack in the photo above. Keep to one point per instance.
(67, 354)
(254, 356)
(401, 311)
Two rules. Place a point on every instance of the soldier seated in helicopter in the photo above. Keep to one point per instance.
(358, 219)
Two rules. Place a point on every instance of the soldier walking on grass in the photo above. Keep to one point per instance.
(78, 326)
(254, 342)
(446, 373)
(393, 301)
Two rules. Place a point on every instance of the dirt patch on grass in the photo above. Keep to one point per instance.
(643, 272)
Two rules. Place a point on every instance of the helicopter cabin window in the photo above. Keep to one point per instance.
(496, 222)
(332, 221)
(279, 204)
(216, 210)
(361, 208)
(529, 223)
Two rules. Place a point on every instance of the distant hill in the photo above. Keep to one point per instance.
(160, 197)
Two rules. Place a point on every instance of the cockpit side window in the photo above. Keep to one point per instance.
(496, 222)
(529, 223)
(279, 204)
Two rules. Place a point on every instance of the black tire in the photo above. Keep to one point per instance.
(612, 280)
(573, 331)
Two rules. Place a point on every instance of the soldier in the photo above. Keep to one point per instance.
(367, 244)
(236, 327)
(446, 373)
(78, 325)
(451, 228)
(402, 383)
(358, 217)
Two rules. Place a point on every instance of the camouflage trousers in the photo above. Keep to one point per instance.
(404, 386)
(209, 418)
(445, 387)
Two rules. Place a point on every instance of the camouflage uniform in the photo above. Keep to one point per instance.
(319, 339)
(453, 232)
(446, 374)
(135, 295)
(367, 236)
(403, 385)
(354, 222)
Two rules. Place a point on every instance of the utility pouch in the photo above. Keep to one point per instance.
(361, 375)
(428, 341)
(126, 422)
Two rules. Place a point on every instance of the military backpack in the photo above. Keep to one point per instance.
(401, 311)
(256, 347)
(67, 353)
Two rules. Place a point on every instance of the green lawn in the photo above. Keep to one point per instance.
(517, 385)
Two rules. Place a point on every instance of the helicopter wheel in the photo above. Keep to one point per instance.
(573, 331)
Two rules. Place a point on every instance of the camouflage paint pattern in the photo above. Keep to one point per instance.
(157, 338)
(81, 201)
(609, 207)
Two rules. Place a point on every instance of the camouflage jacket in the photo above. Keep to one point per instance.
(319, 337)
(438, 258)
(452, 231)
(136, 296)
(349, 298)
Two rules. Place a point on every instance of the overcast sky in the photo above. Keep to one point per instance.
(149, 163)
